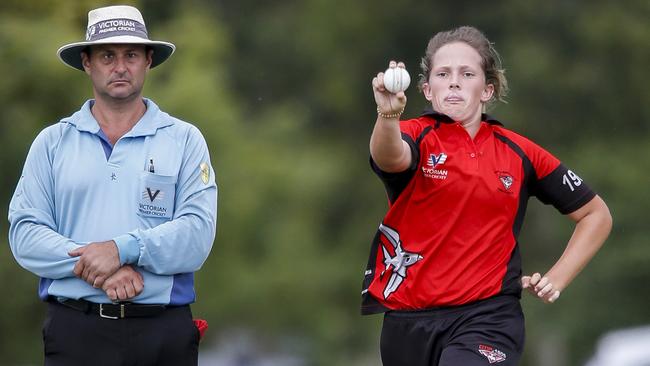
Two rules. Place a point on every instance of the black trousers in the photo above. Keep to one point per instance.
(72, 338)
(487, 332)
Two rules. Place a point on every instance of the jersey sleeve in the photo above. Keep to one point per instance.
(394, 183)
(564, 189)
(33, 236)
(555, 184)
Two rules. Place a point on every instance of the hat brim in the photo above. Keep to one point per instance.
(70, 54)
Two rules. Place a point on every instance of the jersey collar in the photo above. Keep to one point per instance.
(149, 123)
(443, 118)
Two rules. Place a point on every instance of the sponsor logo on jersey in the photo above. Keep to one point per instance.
(430, 170)
(492, 354)
(436, 159)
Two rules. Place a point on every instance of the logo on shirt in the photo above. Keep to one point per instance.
(149, 207)
(157, 193)
(153, 194)
(506, 181)
(436, 159)
(399, 262)
(205, 173)
(492, 354)
(433, 161)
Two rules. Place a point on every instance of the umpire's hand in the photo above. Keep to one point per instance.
(124, 284)
(97, 262)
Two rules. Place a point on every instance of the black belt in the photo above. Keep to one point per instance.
(113, 311)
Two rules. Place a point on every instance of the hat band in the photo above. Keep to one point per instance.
(114, 28)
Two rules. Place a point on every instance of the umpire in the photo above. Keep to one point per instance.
(115, 210)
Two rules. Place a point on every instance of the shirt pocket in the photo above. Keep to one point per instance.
(156, 196)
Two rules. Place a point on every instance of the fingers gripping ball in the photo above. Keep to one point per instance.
(396, 79)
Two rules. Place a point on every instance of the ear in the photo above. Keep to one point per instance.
(149, 57)
(426, 90)
(487, 93)
(85, 62)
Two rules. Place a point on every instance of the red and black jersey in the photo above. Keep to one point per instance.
(450, 234)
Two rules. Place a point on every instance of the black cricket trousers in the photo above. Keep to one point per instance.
(75, 338)
(487, 332)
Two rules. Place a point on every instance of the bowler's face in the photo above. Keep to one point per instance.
(117, 71)
(456, 85)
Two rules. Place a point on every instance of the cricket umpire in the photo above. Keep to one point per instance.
(444, 265)
(116, 209)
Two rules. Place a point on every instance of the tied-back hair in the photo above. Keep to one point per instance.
(490, 59)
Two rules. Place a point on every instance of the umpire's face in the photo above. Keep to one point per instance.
(117, 71)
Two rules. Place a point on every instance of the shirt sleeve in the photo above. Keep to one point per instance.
(33, 238)
(394, 183)
(182, 244)
(564, 189)
(555, 184)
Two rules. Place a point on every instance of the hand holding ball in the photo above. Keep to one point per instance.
(388, 89)
(396, 79)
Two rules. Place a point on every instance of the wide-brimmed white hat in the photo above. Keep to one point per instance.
(120, 24)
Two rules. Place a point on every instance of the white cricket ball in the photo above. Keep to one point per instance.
(396, 79)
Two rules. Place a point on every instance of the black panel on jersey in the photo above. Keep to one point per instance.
(370, 305)
(510, 283)
(529, 180)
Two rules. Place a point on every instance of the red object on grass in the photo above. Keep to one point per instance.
(202, 326)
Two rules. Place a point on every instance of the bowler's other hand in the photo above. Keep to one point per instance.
(541, 287)
(97, 262)
(387, 102)
(124, 284)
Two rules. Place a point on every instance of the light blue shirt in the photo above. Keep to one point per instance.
(76, 189)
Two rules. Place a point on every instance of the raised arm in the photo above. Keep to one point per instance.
(388, 150)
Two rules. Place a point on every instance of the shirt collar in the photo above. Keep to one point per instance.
(149, 123)
(443, 118)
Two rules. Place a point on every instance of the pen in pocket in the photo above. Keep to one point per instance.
(151, 168)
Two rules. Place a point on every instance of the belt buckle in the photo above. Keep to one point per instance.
(101, 312)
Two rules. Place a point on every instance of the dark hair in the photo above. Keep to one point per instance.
(490, 60)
